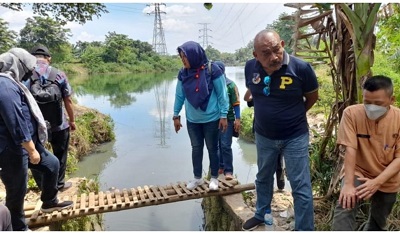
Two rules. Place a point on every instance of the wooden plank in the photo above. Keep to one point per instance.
(127, 201)
(83, 203)
(165, 195)
(205, 186)
(92, 201)
(118, 197)
(134, 196)
(110, 202)
(65, 212)
(141, 194)
(29, 207)
(177, 190)
(101, 200)
(183, 186)
(37, 210)
(156, 193)
(149, 194)
(75, 208)
(55, 215)
(221, 185)
(48, 217)
(307, 21)
(194, 191)
(227, 183)
(200, 190)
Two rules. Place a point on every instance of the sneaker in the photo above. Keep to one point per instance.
(221, 171)
(194, 183)
(213, 184)
(228, 176)
(252, 224)
(56, 207)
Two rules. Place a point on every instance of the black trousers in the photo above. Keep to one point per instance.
(59, 143)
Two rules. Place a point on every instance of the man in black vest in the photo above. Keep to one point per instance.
(60, 132)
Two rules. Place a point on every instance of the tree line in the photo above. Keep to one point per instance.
(117, 53)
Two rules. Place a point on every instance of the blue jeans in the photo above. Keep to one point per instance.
(198, 133)
(225, 149)
(14, 174)
(295, 153)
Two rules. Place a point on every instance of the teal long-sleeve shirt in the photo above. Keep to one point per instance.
(217, 108)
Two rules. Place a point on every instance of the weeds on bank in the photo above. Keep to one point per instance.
(246, 127)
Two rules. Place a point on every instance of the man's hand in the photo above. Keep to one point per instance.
(236, 125)
(348, 198)
(177, 124)
(72, 125)
(34, 157)
(223, 124)
(367, 189)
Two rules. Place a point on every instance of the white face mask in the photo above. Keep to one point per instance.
(374, 111)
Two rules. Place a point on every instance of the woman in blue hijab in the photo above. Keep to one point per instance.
(201, 88)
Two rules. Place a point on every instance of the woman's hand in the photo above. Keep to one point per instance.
(177, 124)
(223, 124)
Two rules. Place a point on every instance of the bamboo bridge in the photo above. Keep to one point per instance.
(118, 200)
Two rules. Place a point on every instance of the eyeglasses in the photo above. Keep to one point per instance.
(267, 81)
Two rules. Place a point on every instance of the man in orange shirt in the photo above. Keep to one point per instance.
(368, 138)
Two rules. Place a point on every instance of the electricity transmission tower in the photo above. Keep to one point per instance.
(205, 35)
(161, 94)
(159, 45)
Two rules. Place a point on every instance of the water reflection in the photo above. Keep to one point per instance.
(248, 151)
(161, 95)
(119, 88)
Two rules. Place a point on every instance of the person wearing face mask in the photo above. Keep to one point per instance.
(369, 140)
(60, 126)
(23, 133)
(283, 89)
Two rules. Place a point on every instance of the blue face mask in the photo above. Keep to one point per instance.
(374, 111)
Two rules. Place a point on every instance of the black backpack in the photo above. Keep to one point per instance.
(48, 96)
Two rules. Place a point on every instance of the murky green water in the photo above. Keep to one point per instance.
(147, 151)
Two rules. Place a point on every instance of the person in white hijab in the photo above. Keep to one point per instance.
(23, 133)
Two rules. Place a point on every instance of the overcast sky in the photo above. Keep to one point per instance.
(230, 26)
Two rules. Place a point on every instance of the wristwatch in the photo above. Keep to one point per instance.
(176, 117)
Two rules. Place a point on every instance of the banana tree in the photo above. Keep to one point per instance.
(360, 23)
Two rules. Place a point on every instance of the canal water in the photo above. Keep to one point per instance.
(147, 151)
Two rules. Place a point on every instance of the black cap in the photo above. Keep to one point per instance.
(40, 50)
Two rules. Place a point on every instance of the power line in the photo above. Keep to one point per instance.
(223, 6)
(262, 20)
(237, 17)
(223, 38)
(225, 17)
